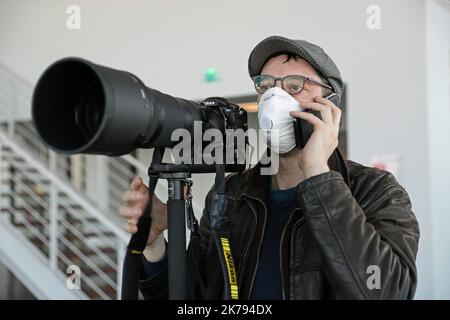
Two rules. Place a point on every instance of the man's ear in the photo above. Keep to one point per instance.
(335, 98)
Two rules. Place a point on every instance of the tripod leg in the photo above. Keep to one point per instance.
(177, 240)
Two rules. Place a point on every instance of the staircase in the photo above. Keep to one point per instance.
(63, 227)
(49, 218)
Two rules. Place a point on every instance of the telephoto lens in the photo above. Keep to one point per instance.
(82, 107)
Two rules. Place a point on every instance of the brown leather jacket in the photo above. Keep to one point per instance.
(349, 220)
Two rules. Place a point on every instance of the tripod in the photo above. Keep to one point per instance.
(177, 233)
(178, 177)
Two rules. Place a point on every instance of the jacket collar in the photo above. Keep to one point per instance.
(252, 183)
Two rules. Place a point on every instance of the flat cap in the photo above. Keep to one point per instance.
(312, 53)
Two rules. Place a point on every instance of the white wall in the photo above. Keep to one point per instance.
(438, 102)
(161, 40)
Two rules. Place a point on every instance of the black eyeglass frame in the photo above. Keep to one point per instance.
(290, 76)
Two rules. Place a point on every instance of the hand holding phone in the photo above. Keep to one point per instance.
(303, 129)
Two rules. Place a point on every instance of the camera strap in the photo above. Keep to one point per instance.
(221, 230)
(132, 263)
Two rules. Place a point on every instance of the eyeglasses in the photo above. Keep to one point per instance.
(291, 84)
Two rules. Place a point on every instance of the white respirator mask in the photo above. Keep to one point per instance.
(274, 120)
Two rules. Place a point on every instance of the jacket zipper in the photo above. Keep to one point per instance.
(294, 228)
(244, 262)
(281, 252)
(260, 242)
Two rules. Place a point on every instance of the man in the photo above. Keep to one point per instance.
(317, 229)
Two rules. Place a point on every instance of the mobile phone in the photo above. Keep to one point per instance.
(303, 129)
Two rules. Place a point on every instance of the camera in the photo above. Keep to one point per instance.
(82, 107)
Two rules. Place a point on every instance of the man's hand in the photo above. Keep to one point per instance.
(313, 159)
(135, 201)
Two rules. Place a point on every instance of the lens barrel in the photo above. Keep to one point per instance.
(82, 107)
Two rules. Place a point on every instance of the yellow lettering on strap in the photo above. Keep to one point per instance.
(230, 266)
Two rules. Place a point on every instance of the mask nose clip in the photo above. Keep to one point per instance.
(268, 97)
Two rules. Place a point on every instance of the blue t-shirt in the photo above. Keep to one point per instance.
(267, 284)
(149, 269)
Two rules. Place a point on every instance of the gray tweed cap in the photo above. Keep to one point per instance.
(308, 51)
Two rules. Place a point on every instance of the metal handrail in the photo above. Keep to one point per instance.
(32, 228)
(17, 151)
(94, 248)
(15, 75)
(44, 203)
(75, 231)
(79, 253)
(91, 283)
(88, 261)
(63, 186)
